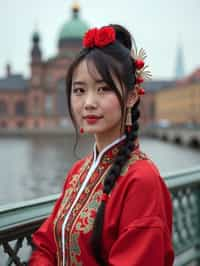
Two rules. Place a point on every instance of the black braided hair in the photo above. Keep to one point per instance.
(110, 180)
(114, 59)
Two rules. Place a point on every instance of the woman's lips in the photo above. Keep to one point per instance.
(92, 119)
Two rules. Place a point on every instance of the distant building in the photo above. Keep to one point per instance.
(180, 103)
(148, 111)
(40, 101)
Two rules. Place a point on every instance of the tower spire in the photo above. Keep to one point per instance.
(36, 53)
(75, 8)
(179, 67)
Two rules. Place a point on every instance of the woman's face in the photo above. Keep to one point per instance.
(95, 106)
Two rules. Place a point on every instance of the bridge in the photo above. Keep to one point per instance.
(18, 221)
(185, 135)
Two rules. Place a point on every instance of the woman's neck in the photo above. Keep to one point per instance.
(104, 140)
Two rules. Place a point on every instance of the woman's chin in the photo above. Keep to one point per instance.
(92, 130)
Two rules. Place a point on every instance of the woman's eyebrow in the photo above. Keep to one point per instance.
(78, 83)
(84, 83)
(99, 81)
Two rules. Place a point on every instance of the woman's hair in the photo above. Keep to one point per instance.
(113, 60)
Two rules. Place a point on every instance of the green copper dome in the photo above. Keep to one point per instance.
(74, 28)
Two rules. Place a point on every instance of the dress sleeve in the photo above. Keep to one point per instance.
(43, 239)
(140, 244)
(144, 237)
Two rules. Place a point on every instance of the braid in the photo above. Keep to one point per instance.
(110, 180)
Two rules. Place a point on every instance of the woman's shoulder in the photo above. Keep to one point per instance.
(77, 167)
(79, 164)
(140, 164)
(143, 177)
(142, 183)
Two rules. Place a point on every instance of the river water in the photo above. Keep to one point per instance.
(36, 167)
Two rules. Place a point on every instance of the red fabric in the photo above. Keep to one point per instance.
(137, 226)
(145, 225)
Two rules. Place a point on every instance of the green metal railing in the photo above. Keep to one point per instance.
(19, 221)
(185, 190)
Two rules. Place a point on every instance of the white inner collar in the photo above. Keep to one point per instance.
(97, 157)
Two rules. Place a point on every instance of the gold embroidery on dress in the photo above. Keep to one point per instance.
(65, 204)
(85, 220)
(135, 156)
(87, 214)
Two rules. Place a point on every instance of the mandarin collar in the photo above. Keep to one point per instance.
(110, 150)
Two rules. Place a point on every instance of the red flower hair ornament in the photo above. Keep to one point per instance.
(141, 72)
(99, 37)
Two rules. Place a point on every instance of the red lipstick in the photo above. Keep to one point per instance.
(92, 119)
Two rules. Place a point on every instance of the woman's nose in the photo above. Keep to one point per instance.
(90, 101)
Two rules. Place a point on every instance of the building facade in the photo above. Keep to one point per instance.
(40, 102)
(180, 103)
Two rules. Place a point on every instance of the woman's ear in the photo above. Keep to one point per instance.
(132, 98)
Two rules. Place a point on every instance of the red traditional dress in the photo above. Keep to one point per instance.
(138, 216)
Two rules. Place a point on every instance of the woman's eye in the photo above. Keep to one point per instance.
(103, 89)
(78, 91)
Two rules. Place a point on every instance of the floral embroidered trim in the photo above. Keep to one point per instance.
(69, 195)
(84, 220)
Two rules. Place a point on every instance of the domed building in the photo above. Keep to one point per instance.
(71, 33)
(41, 101)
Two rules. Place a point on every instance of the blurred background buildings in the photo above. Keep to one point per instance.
(40, 101)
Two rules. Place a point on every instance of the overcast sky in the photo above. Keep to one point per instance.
(159, 26)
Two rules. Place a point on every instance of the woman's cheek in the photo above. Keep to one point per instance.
(78, 117)
(76, 114)
(114, 107)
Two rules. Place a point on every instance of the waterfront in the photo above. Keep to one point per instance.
(36, 166)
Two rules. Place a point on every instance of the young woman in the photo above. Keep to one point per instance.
(115, 208)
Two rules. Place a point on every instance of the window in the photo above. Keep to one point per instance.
(48, 80)
(20, 124)
(152, 109)
(48, 104)
(36, 124)
(36, 80)
(3, 107)
(3, 124)
(61, 101)
(36, 105)
(20, 108)
(36, 100)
